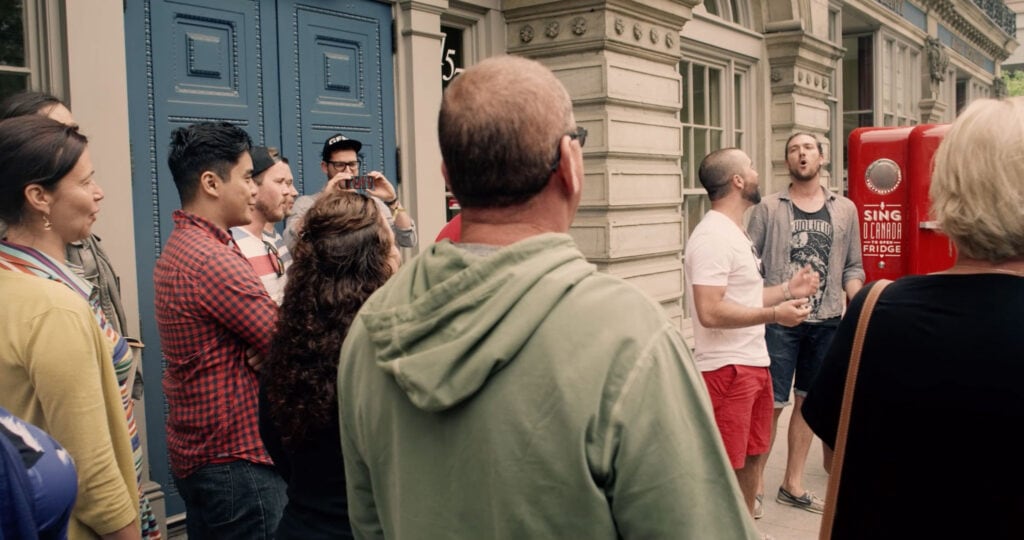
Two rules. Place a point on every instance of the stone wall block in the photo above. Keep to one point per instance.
(621, 182)
(628, 235)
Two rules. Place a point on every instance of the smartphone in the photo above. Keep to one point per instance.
(362, 184)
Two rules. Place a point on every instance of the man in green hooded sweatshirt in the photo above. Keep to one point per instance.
(501, 387)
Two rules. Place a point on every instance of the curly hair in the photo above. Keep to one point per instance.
(339, 260)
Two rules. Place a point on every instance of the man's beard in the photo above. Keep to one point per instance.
(752, 195)
(795, 174)
(268, 213)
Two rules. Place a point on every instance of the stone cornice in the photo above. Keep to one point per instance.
(436, 7)
(799, 43)
(801, 63)
(970, 22)
(555, 32)
(661, 12)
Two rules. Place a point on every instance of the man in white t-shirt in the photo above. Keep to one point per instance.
(727, 297)
(259, 241)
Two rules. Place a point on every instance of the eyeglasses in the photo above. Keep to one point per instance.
(579, 135)
(342, 165)
(275, 258)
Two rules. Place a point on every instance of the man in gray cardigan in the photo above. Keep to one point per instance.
(804, 224)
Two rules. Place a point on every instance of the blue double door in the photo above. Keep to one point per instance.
(290, 72)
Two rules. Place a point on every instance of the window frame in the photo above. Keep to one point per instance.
(897, 80)
(480, 40)
(695, 203)
(45, 48)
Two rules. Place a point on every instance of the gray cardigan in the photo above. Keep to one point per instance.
(770, 228)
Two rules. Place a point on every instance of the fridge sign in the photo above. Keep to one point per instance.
(882, 229)
(889, 175)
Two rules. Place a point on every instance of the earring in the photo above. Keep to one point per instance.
(46, 222)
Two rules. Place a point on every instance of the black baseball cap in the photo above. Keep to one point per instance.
(340, 142)
(261, 159)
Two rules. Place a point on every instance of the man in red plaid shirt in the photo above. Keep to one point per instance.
(215, 320)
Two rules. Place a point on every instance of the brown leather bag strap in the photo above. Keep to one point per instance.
(832, 496)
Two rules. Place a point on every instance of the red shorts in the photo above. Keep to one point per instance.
(742, 398)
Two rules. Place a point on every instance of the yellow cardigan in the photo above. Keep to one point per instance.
(56, 372)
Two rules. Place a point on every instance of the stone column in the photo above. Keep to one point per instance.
(418, 66)
(803, 68)
(619, 60)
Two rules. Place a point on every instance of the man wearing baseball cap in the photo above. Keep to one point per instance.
(258, 241)
(341, 166)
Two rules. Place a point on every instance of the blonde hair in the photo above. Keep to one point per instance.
(977, 188)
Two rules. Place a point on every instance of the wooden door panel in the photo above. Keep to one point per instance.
(337, 79)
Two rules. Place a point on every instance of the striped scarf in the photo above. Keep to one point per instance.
(18, 258)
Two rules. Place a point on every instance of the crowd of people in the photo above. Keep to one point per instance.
(497, 385)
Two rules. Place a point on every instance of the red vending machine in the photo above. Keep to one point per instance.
(888, 177)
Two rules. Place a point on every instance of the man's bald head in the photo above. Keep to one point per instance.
(500, 124)
(718, 168)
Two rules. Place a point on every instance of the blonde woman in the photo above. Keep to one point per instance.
(938, 399)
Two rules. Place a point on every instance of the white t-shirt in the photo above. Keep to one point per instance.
(720, 254)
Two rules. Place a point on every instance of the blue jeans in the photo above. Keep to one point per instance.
(798, 351)
(234, 500)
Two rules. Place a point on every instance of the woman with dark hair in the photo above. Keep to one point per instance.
(59, 356)
(345, 252)
(86, 256)
(26, 103)
(89, 261)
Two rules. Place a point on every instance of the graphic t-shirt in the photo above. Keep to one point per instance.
(810, 245)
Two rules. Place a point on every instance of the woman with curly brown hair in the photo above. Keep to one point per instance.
(345, 252)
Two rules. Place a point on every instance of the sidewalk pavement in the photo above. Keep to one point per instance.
(785, 522)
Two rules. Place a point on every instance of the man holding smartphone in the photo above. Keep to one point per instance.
(341, 166)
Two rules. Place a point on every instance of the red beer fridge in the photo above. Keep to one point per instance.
(888, 178)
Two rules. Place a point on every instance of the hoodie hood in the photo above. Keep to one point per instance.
(450, 319)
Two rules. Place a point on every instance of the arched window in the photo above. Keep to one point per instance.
(735, 11)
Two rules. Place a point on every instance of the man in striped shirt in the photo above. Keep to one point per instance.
(259, 241)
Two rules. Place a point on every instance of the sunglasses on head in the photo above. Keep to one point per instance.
(275, 258)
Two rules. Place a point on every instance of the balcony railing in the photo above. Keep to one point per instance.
(1003, 16)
